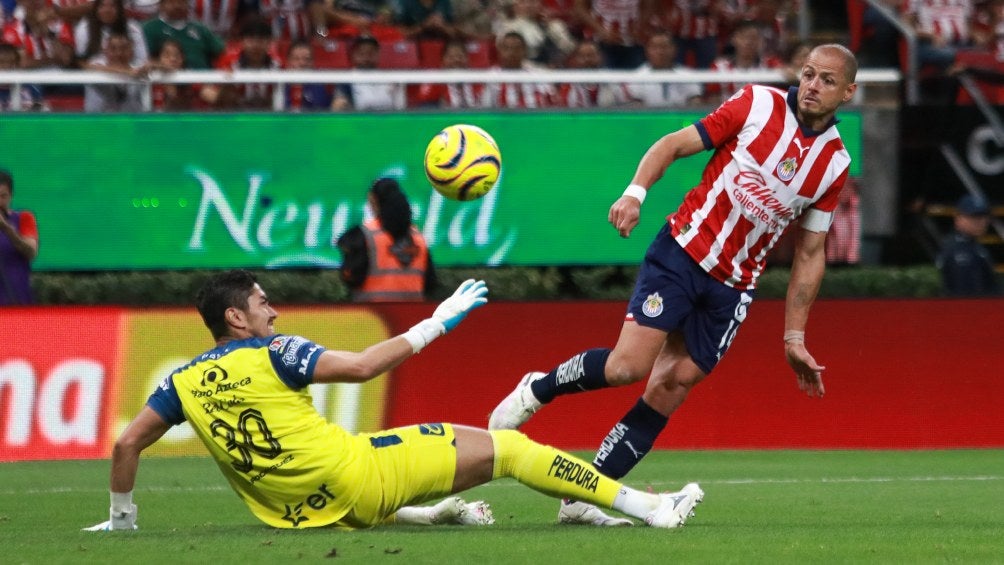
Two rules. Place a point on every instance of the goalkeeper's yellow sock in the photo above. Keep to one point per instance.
(559, 474)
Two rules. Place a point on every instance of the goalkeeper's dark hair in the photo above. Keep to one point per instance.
(220, 292)
(393, 208)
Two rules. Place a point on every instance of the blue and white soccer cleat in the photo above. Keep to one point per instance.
(516, 408)
(675, 507)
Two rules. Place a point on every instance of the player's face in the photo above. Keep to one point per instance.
(822, 88)
(260, 315)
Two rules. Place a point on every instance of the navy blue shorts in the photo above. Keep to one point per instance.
(674, 293)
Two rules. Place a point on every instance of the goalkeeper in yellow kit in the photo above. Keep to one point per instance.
(247, 401)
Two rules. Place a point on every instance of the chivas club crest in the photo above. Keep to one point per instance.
(652, 306)
(787, 168)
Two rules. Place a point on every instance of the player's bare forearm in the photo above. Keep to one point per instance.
(358, 367)
(807, 271)
(141, 433)
(806, 276)
(663, 153)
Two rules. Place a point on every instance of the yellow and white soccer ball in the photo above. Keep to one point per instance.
(463, 162)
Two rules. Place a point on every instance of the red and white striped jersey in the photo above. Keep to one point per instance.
(691, 19)
(35, 47)
(518, 95)
(767, 170)
(220, 16)
(720, 91)
(289, 18)
(947, 19)
(581, 95)
(619, 16)
(463, 95)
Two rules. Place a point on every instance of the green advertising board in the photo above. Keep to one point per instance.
(167, 191)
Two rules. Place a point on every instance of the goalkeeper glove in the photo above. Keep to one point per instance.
(469, 295)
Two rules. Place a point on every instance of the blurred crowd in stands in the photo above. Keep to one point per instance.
(136, 37)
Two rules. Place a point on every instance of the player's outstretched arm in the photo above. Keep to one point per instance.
(348, 366)
(806, 276)
(626, 211)
(142, 432)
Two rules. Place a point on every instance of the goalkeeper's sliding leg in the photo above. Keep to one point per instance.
(483, 456)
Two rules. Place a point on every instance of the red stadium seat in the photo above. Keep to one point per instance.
(279, 48)
(430, 53)
(855, 21)
(401, 54)
(331, 54)
(65, 102)
(480, 53)
(231, 48)
(986, 61)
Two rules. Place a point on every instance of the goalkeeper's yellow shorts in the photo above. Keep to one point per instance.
(403, 466)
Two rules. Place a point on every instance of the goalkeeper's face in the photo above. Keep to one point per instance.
(260, 314)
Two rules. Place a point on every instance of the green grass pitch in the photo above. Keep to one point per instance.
(760, 507)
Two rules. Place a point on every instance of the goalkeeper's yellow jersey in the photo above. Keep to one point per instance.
(249, 404)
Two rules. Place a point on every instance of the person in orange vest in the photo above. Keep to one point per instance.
(386, 259)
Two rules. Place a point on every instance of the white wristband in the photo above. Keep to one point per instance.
(422, 333)
(637, 191)
(121, 501)
(794, 336)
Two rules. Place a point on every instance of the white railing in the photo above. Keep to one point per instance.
(17, 79)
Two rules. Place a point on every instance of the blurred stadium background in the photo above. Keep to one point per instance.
(136, 202)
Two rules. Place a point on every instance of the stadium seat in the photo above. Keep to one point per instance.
(430, 53)
(65, 102)
(401, 54)
(855, 21)
(988, 72)
(480, 53)
(386, 33)
(331, 54)
(279, 48)
(231, 48)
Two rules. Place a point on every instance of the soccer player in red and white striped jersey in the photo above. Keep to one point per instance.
(778, 161)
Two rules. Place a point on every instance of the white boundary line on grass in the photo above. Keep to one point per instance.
(753, 482)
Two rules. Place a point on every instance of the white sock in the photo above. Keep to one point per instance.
(416, 515)
(635, 503)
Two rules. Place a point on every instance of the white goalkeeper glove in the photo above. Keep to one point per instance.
(122, 514)
(469, 295)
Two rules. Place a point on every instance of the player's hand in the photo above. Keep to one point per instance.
(468, 296)
(808, 372)
(624, 214)
(122, 520)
